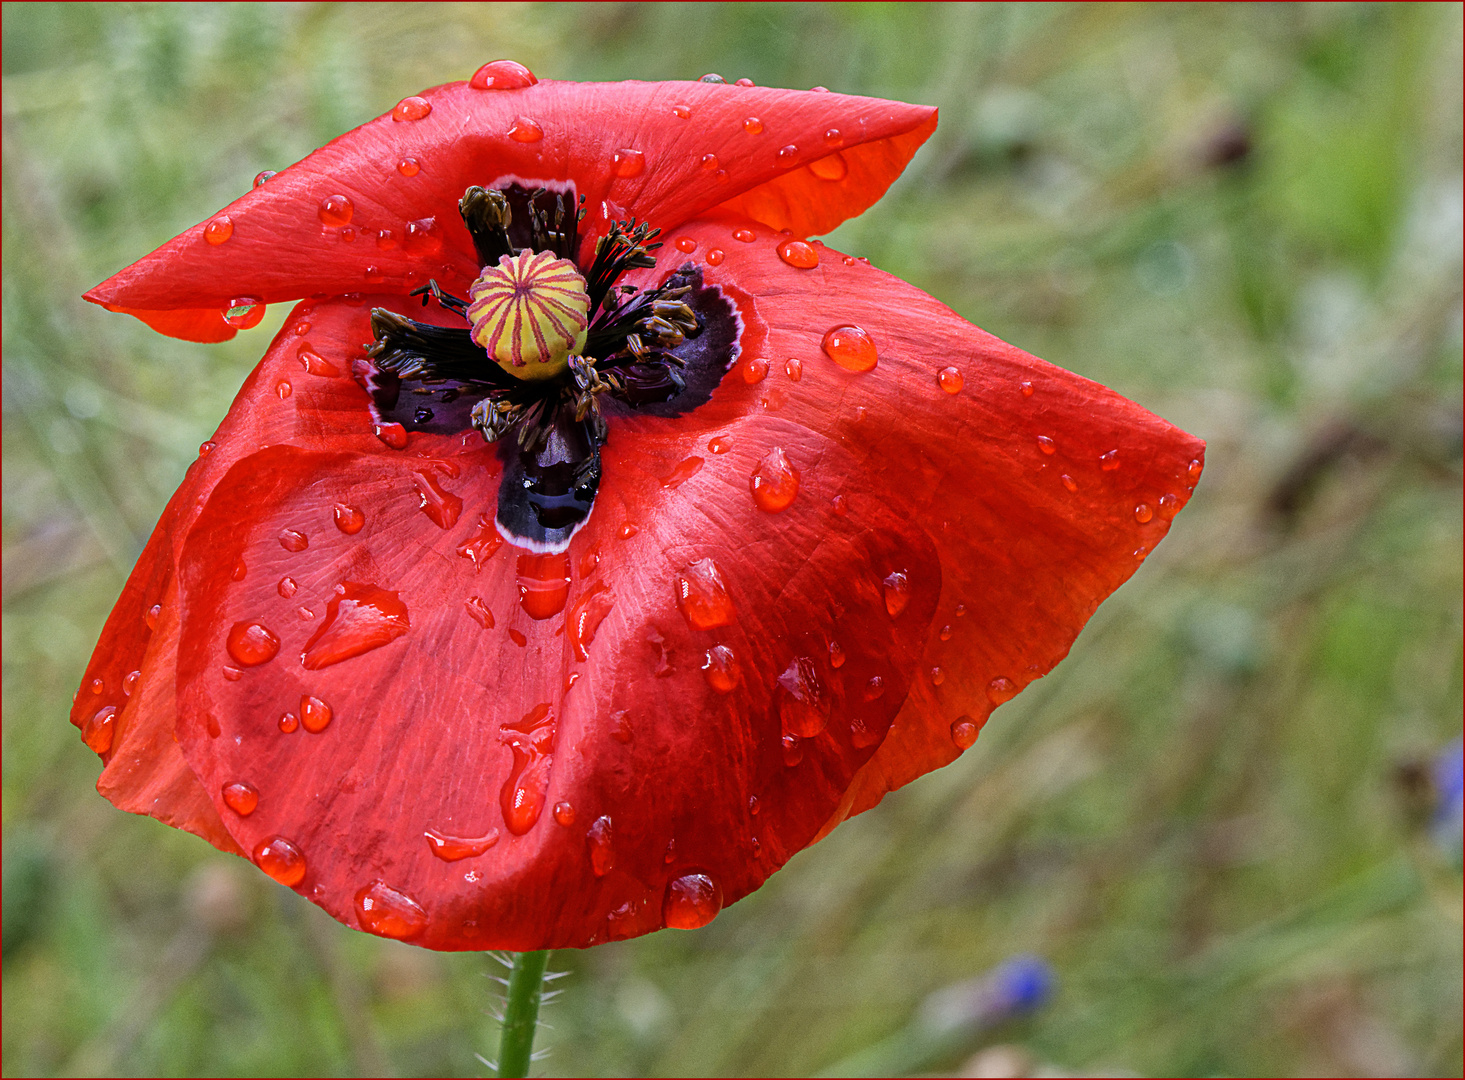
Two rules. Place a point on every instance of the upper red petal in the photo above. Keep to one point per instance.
(274, 244)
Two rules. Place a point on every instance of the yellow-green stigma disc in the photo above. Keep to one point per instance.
(529, 313)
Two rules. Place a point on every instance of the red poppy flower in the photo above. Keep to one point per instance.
(545, 586)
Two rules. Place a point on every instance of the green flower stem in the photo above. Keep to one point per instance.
(521, 1014)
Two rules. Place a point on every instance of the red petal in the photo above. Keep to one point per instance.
(284, 240)
(204, 325)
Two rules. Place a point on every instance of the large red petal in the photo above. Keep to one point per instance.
(275, 244)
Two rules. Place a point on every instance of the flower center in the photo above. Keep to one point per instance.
(529, 313)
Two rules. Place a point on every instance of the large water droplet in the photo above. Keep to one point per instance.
(281, 859)
(628, 163)
(502, 75)
(831, 167)
(452, 848)
(525, 130)
(744, 236)
(393, 435)
(564, 813)
(702, 596)
(484, 542)
(775, 482)
(409, 166)
(1143, 513)
(897, 593)
(129, 682)
(532, 741)
(786, 154)
(441, 507)
(721, 669)
(719, 444)
(411, 108)
(219, 229)
(964, 733)
(241, 797)
(602, 854)
(851, 348)
(803, 705)
(709, 162)
(685, 244)
(335, 211)
(1001, 689)
(544, 584)
(284, 389)
(798, 254)
(478, 611)
(950, 379)
(753, 126)
(359, 618)
(715, 256)
(683, 472)
(287, 587)
(586, 615)
(315, 714)
(756, 370)
(98, 730)
(386, 912)
(244, 312)
(264, 177)
(251, 644)
(294, 540)
(349, 519)
(691, 900)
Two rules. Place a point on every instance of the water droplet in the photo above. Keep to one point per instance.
(833, 137)
(411, 108)
(281, 859)
(315, 714)
(284, 389)
(518, 638)
(1046, 444)
(502, 75)
(1194, 470)
(683, 472)
(1110, 461)
(452, 848)
(289, 722)
(335, 211)
(685, 244)
(1001, 689)
(211, 725)
(950, 380)
(441, 507)
(709, 162)
(692, 900)
(803, 705)
(681, 112)
(386, 912)
(241, 797)
(786, 154)
(151, 616)
(671, 851)
(1143, 513)
(830, 167)
(1169, 506)
(875, 688)
(719, 444)
(1068, 482)
(744, 82)
(129, 682)
(394, 435)
(532, 741)
(602, 854)
(793, 750)
(628, 163)
(851, 348)
(359, 618)
(423, 236)
(287, 587)
(1026, 388)
(756, 370)
(525, 130)
(836, 655)
(98, 730)
(715, 257)
(244, 312)
(481, 546)
(293, 540)
(798, 254)
(315, 364)
(793, 367)
(774, 483)
(712, 77)
(621, 733)
(946, 632)
(960, 610)
(251, 644)
(306, 614)
(233, 674)
(349, 519)
(964, 733)
(219, 229)
(386, 240)
(626, 531)
(265, 177)
(721, 669)
(897, 592)
(544, 584)
(702, 596)
(840, 505)
(938, 676)
(206, 448)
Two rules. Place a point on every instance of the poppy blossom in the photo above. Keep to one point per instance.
(589, 540)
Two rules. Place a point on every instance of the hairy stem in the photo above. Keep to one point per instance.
(521, 1014)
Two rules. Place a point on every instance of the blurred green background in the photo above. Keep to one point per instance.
(1214, 821)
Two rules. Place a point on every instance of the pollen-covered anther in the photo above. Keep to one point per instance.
(529, 313)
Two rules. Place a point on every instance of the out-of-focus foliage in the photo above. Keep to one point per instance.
(1216, 821)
